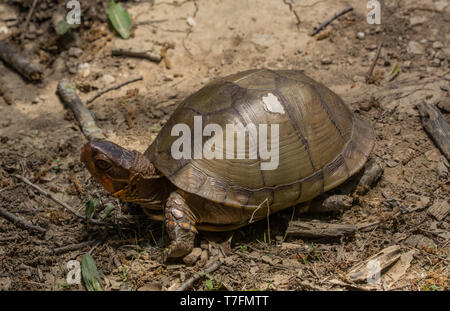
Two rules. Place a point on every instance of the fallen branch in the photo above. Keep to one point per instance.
(114, 87)
(436, 126)
(198, 275)
(322, 26)
(70, 98)
(139, 54)
(378, 263)
(67, 207)
(19, 63)
(372, 66)
(19, 221)
(314, 229)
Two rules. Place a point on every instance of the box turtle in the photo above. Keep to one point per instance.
(321, 143)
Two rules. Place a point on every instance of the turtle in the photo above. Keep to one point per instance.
(321, 143)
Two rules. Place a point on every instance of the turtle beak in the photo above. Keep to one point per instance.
(87, 157)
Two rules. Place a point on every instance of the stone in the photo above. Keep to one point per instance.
(361, 35)
(75, 52)
(420, 241)
(440, 5)
(190, 21)
(417, 20)
(440, 55)
(415, 48)
(193, 256)
(326, 61)
(7, 13)
(84, 69)
(436, 62)
(108, 79)
(432, 155)
(444, 104)
(437, 45)
(267, 259)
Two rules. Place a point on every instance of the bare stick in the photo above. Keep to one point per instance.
(70, 98)
(312, 229)
(372, 66)
(139, 54)
(19, 221)
(67, 207)
(114, 87)
(27, 21)
(198, 275)
(72, 247)
(19, 63)
(436, 126)
(322, 26)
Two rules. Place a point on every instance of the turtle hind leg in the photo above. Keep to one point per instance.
(180, 226)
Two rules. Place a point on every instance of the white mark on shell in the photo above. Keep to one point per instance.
(272, 104)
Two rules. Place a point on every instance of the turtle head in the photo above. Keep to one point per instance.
(120, 171)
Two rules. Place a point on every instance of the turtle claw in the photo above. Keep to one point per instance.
(176, 250)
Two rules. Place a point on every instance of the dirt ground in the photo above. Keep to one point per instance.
(41, 140)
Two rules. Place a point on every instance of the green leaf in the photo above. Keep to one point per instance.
(209, 284)
(108, 209)
(63, 27)
(120, 19)
(89, 271)
(91, 205)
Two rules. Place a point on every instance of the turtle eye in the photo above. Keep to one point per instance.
(102, 164)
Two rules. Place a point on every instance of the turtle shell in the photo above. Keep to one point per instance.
(321, 141)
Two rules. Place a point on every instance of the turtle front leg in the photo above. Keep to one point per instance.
(180, 226)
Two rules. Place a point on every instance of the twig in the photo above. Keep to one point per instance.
(322, 26)
(372, 66)
(198, 275)
(14, 219)
(289, 3)
(436, 126)
(140, 54)
(67, 207)
(114, 87)
(19, 63)
(4, 93)
(9, 238)
(70, 98)
(27, 21)
(72, 247)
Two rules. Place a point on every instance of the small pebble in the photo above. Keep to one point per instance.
(75, 52)
(84, 69)
(437, 45)
(361, 35)
(326, 61)
(436, 62)
(108, 79)
(190, 21)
